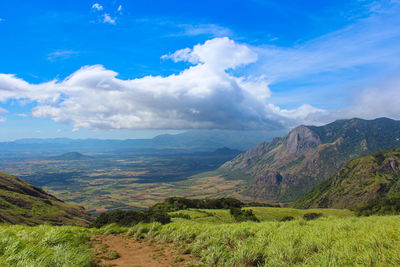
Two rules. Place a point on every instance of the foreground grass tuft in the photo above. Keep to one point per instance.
(44, 246)
(372, 241)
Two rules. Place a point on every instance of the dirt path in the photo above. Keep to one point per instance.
(119, 250)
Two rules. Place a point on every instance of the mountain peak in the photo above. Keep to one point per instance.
(301, 139)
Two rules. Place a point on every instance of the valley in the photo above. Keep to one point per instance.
(107, 182)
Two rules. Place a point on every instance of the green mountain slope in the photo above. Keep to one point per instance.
(288, 167)
(361, 180)
(24, 203)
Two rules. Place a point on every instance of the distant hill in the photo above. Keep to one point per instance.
(24, 203)
(360, 181)
(288, 167)
(196, 140)
(71, 156)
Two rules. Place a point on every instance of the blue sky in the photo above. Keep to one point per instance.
(132, 69)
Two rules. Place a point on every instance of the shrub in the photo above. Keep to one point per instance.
(383, 206)
(243, 215)
(287, 218)
(129, 218)
(180, 203)
(311, 216)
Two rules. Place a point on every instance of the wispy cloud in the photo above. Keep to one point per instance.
(97, 7)
(3, 111)
(204, 29)
(371, 41)
(108, 19)
(61, 54)
(1, 20)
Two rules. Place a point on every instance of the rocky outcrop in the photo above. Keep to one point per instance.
(300, 140)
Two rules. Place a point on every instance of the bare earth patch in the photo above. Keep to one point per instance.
(119, 250)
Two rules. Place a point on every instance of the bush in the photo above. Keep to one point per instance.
(130, 218)
(383, 206)
(287, 218)
(311, 216)
(243, 215)
(181, 203)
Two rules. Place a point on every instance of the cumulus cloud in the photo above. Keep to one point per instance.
(204, 95)
(218, 53)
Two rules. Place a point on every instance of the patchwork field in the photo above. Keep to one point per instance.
(101, 183)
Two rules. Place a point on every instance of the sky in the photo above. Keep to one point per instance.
(136, 69)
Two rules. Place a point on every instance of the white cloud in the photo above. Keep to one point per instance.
(201, 96)
(218, 53)
(204, 29)
(108, 19)
(3, 111)
(97, 6)
(61, 54)
(381, 100)
(369, 42)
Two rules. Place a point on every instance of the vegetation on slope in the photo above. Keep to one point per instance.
(158, 212)
(44, 245)
(24, 203)
(286, 168)
(364, 241)
(371, 184)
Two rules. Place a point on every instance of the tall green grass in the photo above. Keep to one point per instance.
(262, 213)
(328, 241)
(44, 246)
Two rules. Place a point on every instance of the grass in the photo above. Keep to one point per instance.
(44, 246)
(338, 238)
(262, 213)
(328, 241)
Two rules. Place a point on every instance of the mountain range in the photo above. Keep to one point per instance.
(288, 167)
(196, 140)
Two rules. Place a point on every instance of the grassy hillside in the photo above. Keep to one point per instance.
(366, 179)
(330, 241)
(24, 203)
(338, 238)
(288, 167)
